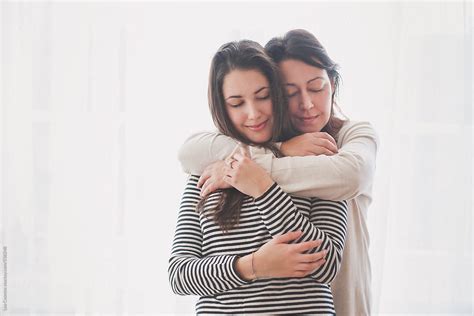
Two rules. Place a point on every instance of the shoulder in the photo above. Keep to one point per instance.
(192, 190)
(357, 129)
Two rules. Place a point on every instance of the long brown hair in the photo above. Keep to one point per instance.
(243, 55)
(303, 46)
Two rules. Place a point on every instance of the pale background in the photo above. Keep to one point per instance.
(96, 99)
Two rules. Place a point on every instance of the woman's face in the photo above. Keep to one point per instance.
(309, 92)
(248, 103)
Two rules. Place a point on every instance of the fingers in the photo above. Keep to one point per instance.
(307, 245)
(307, 268)
(287, 237)
(211, 178)
(244, 150)
(313, 257)
(325, 136)
(230, 161)
(318, 150)
(309, 263)
(326, 144)
(207, 188)
(203, 178)
(236, 149)
(325, 140)
(239, 157)
(240, 152)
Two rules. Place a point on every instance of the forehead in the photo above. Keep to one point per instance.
(297, 71)
(243, 82)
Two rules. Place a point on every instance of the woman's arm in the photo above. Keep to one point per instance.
(342, 176)
(192, 274)
(338, 177)
(189, 272)
(281, 215)
(327, 222)
(331, 218)
(202, 149)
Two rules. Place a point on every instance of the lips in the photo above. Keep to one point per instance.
(308, 119)
(258, 127)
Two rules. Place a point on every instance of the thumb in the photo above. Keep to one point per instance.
(234, 151)
(287, 237)
(244, 150)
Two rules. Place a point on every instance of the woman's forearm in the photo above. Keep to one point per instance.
(342, 176)
(338, 177)
(202, 149)
(189, 272)
(328, 223)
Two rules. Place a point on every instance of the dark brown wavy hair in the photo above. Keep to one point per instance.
(243, 55)
(303, 46)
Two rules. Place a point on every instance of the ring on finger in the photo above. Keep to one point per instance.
(230, 162)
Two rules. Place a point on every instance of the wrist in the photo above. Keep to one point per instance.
(245, 267)
(263, 187)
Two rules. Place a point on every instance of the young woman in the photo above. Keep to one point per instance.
(252, 248)
(331, 159)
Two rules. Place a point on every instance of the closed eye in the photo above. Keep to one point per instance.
(292, 94)
(235, 105)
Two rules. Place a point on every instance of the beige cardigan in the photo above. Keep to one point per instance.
(347, 175)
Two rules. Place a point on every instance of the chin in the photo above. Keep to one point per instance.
(259, 139)
(310, 128)
(306, 129)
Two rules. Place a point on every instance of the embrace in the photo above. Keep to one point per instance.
(273, 216)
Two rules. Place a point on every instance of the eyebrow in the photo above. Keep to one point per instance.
(309, 81)
(239, 96)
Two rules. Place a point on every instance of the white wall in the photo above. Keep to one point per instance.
(97, 98)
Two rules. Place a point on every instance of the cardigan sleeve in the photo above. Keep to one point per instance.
(342, 176)
(339, 177)
(201, 149)
(189, 272)
(328, 222)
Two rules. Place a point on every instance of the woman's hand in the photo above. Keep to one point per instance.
(308, 144)
(246, 175)
(213, 178)
(279, 259)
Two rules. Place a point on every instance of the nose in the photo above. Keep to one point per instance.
(306, 102)
(253, 111)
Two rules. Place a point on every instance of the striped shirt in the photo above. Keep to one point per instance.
(203, 258)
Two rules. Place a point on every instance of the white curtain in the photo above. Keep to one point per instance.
(96, 98)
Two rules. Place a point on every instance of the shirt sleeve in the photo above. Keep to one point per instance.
(202, 149)
(189, 272)
(343, 176)
(328, 222)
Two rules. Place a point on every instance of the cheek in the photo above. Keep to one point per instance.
(323, 102)
(293, 106)
(235, 117)
(268, 107)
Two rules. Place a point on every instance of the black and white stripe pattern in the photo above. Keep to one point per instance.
(203, 257)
